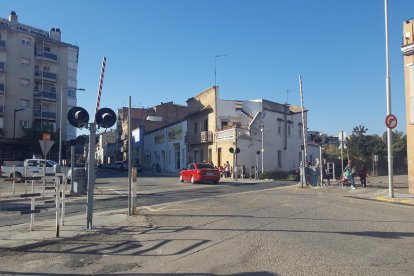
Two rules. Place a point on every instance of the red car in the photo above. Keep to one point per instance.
(200, 172)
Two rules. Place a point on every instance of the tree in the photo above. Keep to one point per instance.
(33, 135)
(361, 147)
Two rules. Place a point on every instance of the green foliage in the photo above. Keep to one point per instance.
(33, 135)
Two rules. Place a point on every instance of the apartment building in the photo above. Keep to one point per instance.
(38, 73)
(407, 49)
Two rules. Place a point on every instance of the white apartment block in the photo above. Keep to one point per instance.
(38, 73)
(106, 148)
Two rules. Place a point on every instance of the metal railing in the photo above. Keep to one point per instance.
(199, 138)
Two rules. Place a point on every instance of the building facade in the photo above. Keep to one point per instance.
(148, 119)
(38, 74)
(255, 127)
(407, 49)
(105, 148)
(166, 147)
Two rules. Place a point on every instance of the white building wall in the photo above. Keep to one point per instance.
(167, 147)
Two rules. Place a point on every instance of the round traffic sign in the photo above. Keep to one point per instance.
(391, 121)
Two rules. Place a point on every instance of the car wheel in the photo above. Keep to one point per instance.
(181, 178)
(19, 177)
(193, 180)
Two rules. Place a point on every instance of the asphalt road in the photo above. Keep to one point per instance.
(261, 229)
(111, 193)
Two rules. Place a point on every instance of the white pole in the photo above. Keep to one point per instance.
(303, 119)
(342, 152)
(60, 125)
(130, 213)
(262, 129)
(388, 91)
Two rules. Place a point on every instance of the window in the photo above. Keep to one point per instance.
(46, 68)
(288, 130)
(24, 82)
(26, 41)
(177, 156)
(224, 124)
(71, 93)
(279, 158)
(46, 49)
(195, 128)
(279, 130)
(205, 124)
(24, 103)
(24, 123)
(25, 61)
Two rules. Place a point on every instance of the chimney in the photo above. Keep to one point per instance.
(13, 19)
(55, 34)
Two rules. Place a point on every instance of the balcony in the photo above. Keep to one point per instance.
(199, 138)
(2, 45)
(45, 95)
(2, 66)
(45, 74)
(1, 89)
(47, 55)
(38, 114)
(408, 49)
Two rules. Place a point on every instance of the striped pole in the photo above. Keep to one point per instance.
(98, 100)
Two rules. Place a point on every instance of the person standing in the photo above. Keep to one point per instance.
(363, 176)
(227, 169)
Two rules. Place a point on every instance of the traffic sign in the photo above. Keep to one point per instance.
(342, 136)
(45, 146)
(391, 121)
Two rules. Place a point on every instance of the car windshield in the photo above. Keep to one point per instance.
(205, 166)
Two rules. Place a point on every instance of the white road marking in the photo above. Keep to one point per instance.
(162, 206)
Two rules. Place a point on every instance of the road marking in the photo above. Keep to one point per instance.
(163, 206)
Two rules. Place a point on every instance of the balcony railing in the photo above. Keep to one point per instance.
(45, 74)
(47, 55)
(44, 114)
(408, 49)
(230, 134)
(48, 95)
(199, 138)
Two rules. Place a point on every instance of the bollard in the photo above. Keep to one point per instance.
(57, 198)
(62, 218)
(32, 208)
(134, 190)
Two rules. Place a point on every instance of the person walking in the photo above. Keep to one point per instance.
(348, 173)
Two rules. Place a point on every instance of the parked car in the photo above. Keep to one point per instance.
(200, 172)
(30, 167)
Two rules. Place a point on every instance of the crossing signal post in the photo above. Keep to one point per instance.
(79, 118)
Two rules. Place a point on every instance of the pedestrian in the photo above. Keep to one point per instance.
(325, 174)
(348, 173)
(227, 169)
(363, 176)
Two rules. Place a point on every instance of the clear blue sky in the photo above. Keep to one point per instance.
(161, 51)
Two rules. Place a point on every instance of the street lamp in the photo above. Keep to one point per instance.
(14, 120)
(61, 119)
(261, 126)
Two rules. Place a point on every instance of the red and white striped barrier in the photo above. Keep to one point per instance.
(98, 100)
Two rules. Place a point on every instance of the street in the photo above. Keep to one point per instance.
(267, 228)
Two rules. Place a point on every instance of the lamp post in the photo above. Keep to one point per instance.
(14, 121)
(261, 126)
(61, 119)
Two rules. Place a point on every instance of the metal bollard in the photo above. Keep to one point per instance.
(32, 208)
(134, 190)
